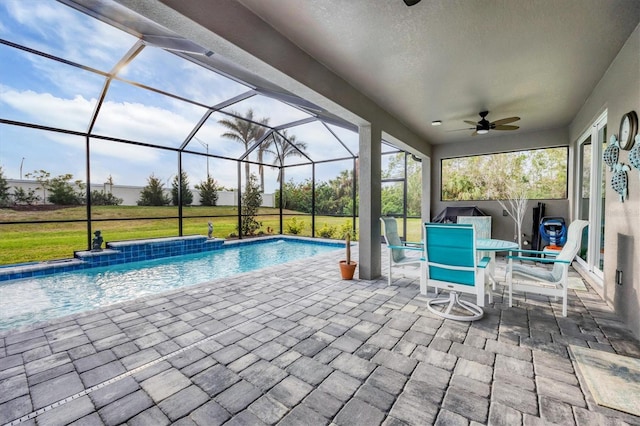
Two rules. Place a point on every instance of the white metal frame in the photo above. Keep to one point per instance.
(594, 234)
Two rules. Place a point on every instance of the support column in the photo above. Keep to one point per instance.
(425, 208)
(370, 205)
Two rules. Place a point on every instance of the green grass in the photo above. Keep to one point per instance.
(37, 242)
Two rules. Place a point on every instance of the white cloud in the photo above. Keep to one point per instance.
(55, 28)
(47, 109)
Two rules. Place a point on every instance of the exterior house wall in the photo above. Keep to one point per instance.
(618, 92)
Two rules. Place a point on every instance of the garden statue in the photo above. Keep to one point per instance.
(96, 245)
(210, 233)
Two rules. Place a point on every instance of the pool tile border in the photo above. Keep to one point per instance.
(119, 252)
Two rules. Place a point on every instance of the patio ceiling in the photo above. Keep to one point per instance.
(448, 60)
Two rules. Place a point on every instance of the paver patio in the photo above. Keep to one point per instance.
(293, 344)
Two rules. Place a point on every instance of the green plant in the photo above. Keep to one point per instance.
(4, 190)
(295, 226)
(42, 177)
(183, 185)
(327, 231)
(347, 247)
(251, 201)
(347, 228)
(63, 192)
(208, 191)
(153, 194)
(102, 198)
(20, 196)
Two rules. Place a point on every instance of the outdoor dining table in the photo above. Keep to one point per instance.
(493, 246)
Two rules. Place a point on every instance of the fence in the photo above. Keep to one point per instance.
(131, 194)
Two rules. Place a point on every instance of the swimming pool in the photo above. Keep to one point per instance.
(30, 300)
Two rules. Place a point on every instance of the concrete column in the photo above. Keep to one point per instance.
(425, 208)
(370, 201)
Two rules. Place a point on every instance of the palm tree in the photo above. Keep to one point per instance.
(244, 129)
(286, 146)
(262, 149)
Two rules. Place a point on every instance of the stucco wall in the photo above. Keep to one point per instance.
(618, 92)
(502, 226)
(131, 194)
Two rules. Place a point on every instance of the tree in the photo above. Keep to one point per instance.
(63, 192)
(286, 146)
(20, 196)
(262, 149)
(187, 195)
(153, 194)
(243, 129)
(42, 177)
(473, 178)
(251, 202)
(208, 191)
(4, 190)
(516, 207)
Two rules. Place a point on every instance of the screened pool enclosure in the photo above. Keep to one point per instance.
(141, 133)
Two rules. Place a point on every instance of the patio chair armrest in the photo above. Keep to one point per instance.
(414, 244)
(405, 248)
(484, 262)
(538, 259)
(539, 252)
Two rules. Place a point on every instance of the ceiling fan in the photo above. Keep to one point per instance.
(483, 126)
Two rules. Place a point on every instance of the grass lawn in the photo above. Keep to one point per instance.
(36, 242)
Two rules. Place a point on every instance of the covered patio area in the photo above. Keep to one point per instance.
(294, 344)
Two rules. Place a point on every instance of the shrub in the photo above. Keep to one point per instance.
(347, 228)
(63, 192)
(20, 196)
(102, 198)
(295, 226)
(4, 190)
(327, 231)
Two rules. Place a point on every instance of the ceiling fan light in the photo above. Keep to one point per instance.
(436, 123)
(482, 131)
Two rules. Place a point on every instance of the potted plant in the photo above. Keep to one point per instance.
(348, 267)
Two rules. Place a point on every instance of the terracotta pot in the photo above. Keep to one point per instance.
(347, 269)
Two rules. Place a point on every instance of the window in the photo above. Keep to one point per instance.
(540, 174)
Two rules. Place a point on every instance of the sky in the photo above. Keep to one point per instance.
(35, 89)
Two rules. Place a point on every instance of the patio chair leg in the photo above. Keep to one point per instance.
(452, 301)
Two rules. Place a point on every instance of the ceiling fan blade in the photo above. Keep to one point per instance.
(471, 123)
(474, 133)
(507, 127)
(505, 121)
(458, 130)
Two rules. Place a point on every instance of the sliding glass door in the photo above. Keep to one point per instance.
(591, 195)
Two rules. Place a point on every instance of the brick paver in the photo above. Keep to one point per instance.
(293, 344)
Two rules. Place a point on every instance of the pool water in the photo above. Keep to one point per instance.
(31, 300)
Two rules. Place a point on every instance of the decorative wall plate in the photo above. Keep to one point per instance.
(620, 180)
(634, 155)
(612, 153)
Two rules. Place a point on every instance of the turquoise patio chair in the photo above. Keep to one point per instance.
(549, 282)
(398, 249)
(452, 265)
